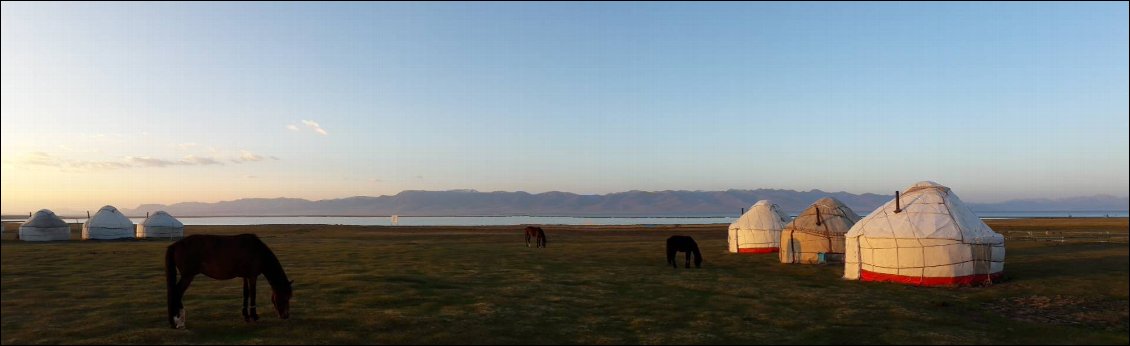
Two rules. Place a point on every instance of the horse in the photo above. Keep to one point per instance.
(535, 232)
(685, 244)
(225, 258)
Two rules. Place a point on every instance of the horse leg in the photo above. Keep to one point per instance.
(254, 315)
(671, 258)
(688, 258)
(182, 286)
(527, 239)
(246, 295)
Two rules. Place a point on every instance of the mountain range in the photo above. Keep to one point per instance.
(555, 203)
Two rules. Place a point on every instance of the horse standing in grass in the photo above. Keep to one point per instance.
(535, 232)
(685, 244)
(224, 258)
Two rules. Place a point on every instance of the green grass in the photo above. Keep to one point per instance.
(592, 285)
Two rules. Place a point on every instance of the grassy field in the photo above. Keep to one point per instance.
(592, 285)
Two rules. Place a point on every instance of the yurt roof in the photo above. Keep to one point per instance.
(833, 215)
(162, 219)
(109, 217)
(762, 215)
(44, 219)
(928, 210)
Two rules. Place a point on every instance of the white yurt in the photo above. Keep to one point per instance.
(108, 223)
(816, 235)
(44, 225)
(759, 229)
(160, 225)
(925, 237)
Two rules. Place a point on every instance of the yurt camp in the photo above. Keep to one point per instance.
(926, 236)
(816, 235)
(160, 225)
(108, 223)
(44, 225)
(758, 230)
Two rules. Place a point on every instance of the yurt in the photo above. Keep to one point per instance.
(160, 225)
(816, 235)
(758, 230)
(926, 237)
(44, 225)
(108, 223)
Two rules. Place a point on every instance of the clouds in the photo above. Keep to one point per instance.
(145, 161)
(247, 156)
(310, 124)
(40, 158)
(44, 159)
(193, 160)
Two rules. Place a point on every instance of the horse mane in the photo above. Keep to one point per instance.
(272, 269)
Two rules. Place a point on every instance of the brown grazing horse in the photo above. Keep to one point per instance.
(685, 244)
(535, 232)
(224, 258)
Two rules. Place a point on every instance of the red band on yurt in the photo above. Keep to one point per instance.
(968, 280)
(758, 250)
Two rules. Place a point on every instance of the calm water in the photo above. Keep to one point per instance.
(521, 220)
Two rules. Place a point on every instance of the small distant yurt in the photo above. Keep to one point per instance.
(759, 229)
(160, 225)
(816, 235)
(108, 223)
(44, 225)
(925, 237)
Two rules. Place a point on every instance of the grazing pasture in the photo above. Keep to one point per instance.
(596, 285)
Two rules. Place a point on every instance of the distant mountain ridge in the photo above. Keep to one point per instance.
(556, 203)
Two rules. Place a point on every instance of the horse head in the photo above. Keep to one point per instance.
(281, 298)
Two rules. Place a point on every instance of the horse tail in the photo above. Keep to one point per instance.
(671, 252)
(171, 282)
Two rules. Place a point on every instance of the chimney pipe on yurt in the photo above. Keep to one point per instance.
(898, 205)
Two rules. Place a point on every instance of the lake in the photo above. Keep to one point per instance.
(522, 220)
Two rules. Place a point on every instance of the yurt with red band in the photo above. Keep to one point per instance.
(926, 236)
(759, 229)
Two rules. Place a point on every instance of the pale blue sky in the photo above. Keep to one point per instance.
(123, 103)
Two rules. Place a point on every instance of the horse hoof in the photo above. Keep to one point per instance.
(179, 320)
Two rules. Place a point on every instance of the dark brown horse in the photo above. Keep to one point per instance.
(224, 258)
(535, 232)
(685, 244)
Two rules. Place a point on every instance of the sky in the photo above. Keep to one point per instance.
(124, 103)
